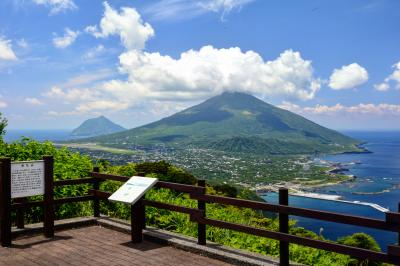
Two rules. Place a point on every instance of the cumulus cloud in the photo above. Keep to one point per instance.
(3, 104)
(127, 24)
(33, 101)
(394, 77)
(197, 74)
(348, 77)
(66, 40)
(57, 6)
(6, 51)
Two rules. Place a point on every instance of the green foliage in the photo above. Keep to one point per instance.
(166, 172)
(3, 125)
(361, 240)
(227, 190)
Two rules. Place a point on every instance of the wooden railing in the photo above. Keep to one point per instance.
(198, 215)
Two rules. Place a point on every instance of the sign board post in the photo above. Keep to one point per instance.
(132, 193)
(5, 183)
(19, 180)
(48, 219)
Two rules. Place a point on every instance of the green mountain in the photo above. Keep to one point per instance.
(235, 122)
(95, 127)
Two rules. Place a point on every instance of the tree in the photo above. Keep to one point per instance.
(361, 240)
(3, 125)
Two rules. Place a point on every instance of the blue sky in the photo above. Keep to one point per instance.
(135, 61)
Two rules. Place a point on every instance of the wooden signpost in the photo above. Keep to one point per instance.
(19, 180)
(132, 193)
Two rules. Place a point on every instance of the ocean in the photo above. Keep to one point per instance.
(39, 135)
(378, 181)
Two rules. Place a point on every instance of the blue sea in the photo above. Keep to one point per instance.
(378, 181)
(39, 135)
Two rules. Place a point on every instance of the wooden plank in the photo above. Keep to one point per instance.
(100, 194)
(73, 199)
(69, 182)
(109, 177)
(180, 187)
(27, 205)
(314, 243)
(170, 207)
(160, 184)
(309, 213)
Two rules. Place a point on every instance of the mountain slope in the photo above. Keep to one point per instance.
(95, 127)
(235, 122)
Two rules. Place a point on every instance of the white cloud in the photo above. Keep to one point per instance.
(57, 6)
(66, 40)
(6, 51)
(186, 9)
(223, 6)
(394, 77)
(33, 101)
(381, 109)
(94, 52)
(127, 24)
(3, 104)
(195, 76)
(101, 105)
(384, 86)
(88, 78)
(348, 77)
(209, 71)
(72, 95)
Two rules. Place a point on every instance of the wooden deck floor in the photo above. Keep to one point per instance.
(95, 245)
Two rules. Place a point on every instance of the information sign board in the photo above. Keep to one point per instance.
(27, 179)
(133, 189)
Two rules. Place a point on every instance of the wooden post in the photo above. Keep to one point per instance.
(20, 214)
(137, 212)
(5, 183)
(142, 214)
(48, 221)
(283, 228)
(96, 202)
(201, 205)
